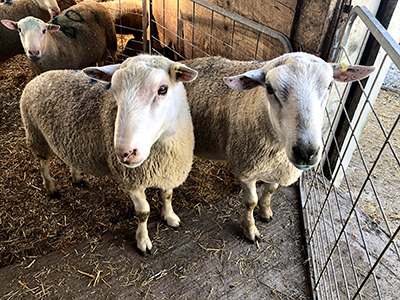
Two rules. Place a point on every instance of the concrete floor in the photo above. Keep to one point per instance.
(207, 258)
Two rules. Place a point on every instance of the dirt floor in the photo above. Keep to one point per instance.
(81, 245)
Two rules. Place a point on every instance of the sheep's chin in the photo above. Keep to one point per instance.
(34, 58)
(303, 168)
(133, 165)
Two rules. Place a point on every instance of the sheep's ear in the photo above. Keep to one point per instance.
(344, 73)
(246, 81)
(101, 73)
(180, 72)
(10, 24)
(52, 27)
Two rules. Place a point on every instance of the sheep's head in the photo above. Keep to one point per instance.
(148, 93)
(296, 87)
(50, 5)
(32, 32)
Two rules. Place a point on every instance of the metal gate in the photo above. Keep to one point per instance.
(347, 201)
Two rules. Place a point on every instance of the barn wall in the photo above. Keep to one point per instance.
(308, 24)
(314, 25)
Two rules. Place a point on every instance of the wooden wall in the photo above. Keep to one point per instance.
(308, 24)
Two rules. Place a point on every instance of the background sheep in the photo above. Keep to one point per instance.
(127, 16)
(16, 10)
(270, 133)
(139, 130)
(78, 38)
(64, 4)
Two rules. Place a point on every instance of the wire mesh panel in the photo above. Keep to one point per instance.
(350, 203)
(184, 29)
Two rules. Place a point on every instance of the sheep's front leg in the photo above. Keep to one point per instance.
(167, 211)
(264, 209)
(142, 209)
(44, 165)
(249, 201)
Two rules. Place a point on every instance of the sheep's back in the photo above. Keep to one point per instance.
(218, 112)
(74, 114)
(83, 22)
(86, 32)
(234, 125)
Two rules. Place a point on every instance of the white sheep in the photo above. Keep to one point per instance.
(270, 133)
(18, 9)
(138, 129)
(78, 38)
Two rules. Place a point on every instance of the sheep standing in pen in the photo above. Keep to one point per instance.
(138, 129)
(127, 16)
(78, 38)
(17, 9)
(270, 133)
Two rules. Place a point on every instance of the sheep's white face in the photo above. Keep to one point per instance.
(148, 96)
(297, 92)
(32, 32)
(147, 108)
(296, 87)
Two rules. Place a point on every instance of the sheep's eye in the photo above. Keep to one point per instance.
(270, 90)
(19, 29)
(44, 31)
(162, 90)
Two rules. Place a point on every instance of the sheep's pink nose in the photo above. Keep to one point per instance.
(128, 157)
(34, 54)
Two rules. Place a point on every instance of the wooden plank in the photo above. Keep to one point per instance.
(278, 15)
(194, 30)
(309, 25)
(314, 25)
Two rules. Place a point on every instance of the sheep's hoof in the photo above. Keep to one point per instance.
(147, 252)
(252, 235)
(267, 220)
(256, 239)
(265, 214)
(173, 221)
(144, 244)
(175, 228)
